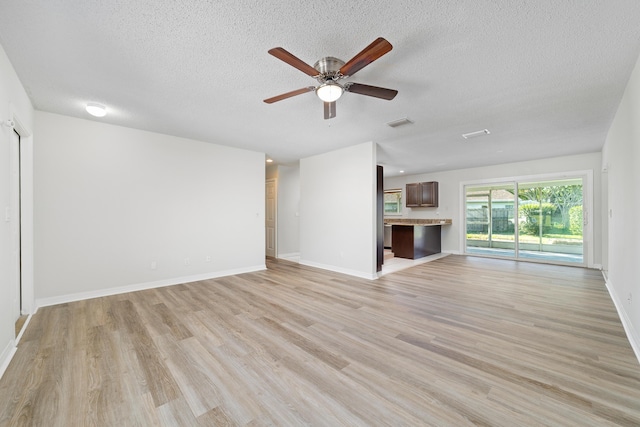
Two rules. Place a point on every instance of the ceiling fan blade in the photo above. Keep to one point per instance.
(370, 53)
(329, 110)
(294, 61)
(375, 91)
(289, 94)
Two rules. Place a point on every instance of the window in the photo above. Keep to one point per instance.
(393, 202)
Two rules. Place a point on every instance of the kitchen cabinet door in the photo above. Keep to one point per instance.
(414, 195)
(429, 194)
(422, 194)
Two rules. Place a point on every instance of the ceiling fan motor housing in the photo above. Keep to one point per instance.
(328, 67)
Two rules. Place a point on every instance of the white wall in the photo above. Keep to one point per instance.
(621, 156)
(450, 191)
(337, 210)
(111, 200)
(14, 104)
(288, 211)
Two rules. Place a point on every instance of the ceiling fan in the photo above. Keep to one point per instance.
(329, 70)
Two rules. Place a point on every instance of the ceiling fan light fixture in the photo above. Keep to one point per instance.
(96, 110)
(329, 91)
(329, 70)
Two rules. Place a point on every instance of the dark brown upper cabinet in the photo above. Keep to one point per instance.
(422, 194)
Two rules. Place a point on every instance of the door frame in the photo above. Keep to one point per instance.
(26, 211)
(275, 219)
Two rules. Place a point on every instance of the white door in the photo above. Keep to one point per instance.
(13, 216)
(271, 212)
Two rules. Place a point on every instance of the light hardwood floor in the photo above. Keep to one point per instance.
(454, 342)
(20, 323)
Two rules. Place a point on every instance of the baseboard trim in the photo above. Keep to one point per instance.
(632, 334)
(453, 252)
(293, 256)
(62, 299)
(333, 268)
(6, 356)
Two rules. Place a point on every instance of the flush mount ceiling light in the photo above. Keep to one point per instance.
(475, 134)
(96, 110)
(330, 91)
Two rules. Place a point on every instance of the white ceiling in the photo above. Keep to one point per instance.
(544, 76)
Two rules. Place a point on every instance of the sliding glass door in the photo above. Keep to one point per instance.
(544, 222)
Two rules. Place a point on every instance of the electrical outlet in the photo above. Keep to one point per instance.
(207, 258)
(630, 297)
(154, 265)
(187, 261)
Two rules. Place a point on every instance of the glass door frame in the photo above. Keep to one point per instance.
(490, 188)
(587, 209)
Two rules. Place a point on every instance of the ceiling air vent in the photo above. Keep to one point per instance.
(399, 122)
(475, 134)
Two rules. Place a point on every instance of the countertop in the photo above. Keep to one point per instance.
(416, 221)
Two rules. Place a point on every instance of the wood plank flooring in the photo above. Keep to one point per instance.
(459, 341)
(20, 323)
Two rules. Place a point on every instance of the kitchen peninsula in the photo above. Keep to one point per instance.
(415, 238)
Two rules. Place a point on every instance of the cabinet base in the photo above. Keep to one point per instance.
(415, 241)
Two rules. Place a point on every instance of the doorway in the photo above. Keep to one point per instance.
(14, 216)
(19, 216)
(271, 217)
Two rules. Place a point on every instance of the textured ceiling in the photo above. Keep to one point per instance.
(544, 76)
